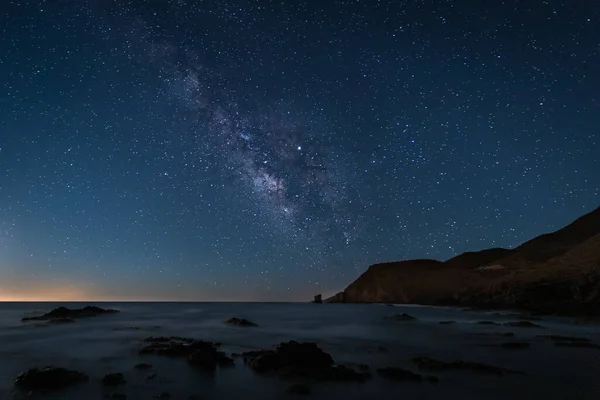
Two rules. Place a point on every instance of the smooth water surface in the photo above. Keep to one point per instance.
(351, 333)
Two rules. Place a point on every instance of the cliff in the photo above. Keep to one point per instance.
(558, 272)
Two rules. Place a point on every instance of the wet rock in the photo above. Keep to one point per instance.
(299, 388)
(487, 323)
(437, 365)
(174, 346)
(114, 379)
(63, 313)
(143, 366)
(447, 322)
(558, 338)
(163, 395)
(293, 359)
(49, 378)
(515, 345)
(402, 317)
(198, 352)
(240, 322)
(522, 324)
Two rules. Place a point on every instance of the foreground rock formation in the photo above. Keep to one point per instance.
(556, 273)
(49, 378)
(301, 360)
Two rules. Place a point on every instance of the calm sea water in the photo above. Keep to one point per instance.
(351, 333)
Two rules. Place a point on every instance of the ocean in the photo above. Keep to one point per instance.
(352, 333)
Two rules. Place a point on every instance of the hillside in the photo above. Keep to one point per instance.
(558, 272)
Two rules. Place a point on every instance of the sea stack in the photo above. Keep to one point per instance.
(317, 299)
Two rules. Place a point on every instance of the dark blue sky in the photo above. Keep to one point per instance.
(236, 150)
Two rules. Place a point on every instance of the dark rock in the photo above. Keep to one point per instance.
(318, 299)
(114, 379)
(487, 323)
(402, 317)
(240, 322)
(558, 338)
(437, 365)
(163, 395)
(67, 313)
(447, 322)
(143, 366)
(293, 359)
(382, 349)
(515, 345)
(175, 346)
(363, 367)
(49, 378)
(299, 388)
(236, 355)
(522, 324)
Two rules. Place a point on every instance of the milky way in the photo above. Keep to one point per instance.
(280, 161)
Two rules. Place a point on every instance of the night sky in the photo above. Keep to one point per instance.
(272, 150)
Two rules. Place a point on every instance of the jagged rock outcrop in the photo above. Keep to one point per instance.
(557, 272)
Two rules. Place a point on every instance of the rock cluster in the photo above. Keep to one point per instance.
(306, 360)
(198, 352)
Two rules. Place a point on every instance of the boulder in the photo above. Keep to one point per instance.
(198, 352)
(293, 359)
(49, 378)
(522, 324)
(240, 322)
(402, 317)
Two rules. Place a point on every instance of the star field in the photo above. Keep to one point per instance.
(236, 150)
